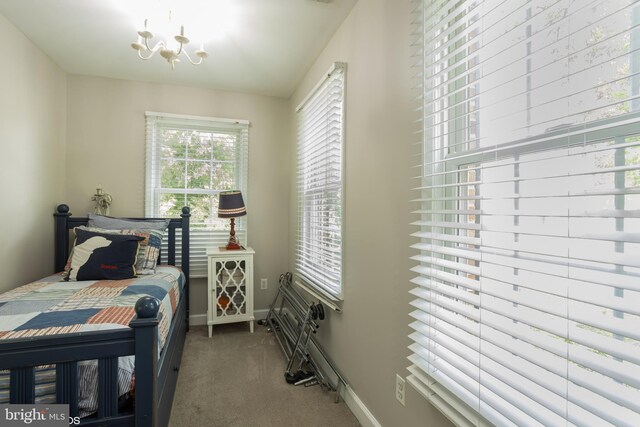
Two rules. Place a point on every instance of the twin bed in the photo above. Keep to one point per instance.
(110, 349)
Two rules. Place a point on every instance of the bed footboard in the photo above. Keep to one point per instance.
(22, 356)
(155, 377)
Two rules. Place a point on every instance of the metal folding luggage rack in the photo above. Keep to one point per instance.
(294, 321)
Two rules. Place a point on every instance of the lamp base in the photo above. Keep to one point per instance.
(233, 244)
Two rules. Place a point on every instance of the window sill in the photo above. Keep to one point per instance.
(327, 299)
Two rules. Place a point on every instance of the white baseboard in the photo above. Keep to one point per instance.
(201, 319)
(362, 413)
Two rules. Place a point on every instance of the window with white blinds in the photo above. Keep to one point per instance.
(190, 160)
(527, 253)
(320, 182)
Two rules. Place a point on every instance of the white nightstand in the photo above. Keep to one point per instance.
(230, 286)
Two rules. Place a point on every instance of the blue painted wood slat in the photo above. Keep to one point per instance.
(67, 386)
(22, 385)
(107, 387)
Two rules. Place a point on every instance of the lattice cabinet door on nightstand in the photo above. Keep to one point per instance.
(230, 287)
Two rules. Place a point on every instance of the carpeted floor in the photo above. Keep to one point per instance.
(236, 379)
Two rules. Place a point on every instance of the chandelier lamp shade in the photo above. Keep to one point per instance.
(171, 54)
(231, 205)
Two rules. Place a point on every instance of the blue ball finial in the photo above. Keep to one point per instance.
(147, 307)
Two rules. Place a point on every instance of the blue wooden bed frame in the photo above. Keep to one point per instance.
(155, 377)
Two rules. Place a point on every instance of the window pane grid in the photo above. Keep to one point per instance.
(190, 161)
(528, 228)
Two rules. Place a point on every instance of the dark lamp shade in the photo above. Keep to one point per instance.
(231, 205)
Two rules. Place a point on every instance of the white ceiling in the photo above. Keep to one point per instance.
(266, 49)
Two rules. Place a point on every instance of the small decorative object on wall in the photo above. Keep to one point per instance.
(231, 206)
(103, 200)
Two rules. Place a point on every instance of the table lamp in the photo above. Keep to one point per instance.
(231, 206)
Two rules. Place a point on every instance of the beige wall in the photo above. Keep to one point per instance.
(32, 163)
(368, 340)
(106, 145)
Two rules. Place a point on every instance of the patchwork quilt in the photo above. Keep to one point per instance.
(53, 306)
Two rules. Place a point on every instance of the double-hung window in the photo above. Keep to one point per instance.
(527, 259)
(320, 182)
(189, 161)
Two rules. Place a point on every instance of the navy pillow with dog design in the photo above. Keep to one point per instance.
(101, 256)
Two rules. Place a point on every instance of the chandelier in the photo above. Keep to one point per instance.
(171, 54)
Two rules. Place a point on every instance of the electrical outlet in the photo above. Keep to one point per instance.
(400, 389)
(263, 283)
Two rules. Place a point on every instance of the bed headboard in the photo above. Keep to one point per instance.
(65, 222)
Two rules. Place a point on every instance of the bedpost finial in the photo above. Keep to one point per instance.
(62, 209)
(147, 307)
(186, 210)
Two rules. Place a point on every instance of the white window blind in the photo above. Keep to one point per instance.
(527, 297)
(320, 184)
(190, 160)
